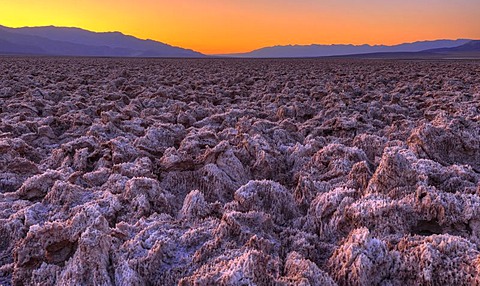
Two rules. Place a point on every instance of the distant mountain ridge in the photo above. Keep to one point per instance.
(64, 41)
(294, 51)
(471, 46)
(61, 41)
(469, 50)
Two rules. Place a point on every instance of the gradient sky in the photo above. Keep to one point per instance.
(225, 26)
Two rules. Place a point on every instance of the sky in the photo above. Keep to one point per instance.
(230, 26)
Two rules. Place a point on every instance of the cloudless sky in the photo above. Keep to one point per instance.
(225, 26)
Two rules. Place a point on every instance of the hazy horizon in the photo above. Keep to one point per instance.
(247, 51)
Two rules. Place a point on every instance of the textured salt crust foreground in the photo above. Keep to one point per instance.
(239, 172)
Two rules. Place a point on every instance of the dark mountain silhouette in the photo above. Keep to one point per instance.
(471, 49)
(61, 41)
(339, 50)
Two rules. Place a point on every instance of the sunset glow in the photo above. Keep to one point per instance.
(227, 26)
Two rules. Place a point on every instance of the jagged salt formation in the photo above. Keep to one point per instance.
(231, 172)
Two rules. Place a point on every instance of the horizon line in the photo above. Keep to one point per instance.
(242, 52)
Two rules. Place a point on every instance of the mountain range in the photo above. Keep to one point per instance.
(61, 41)
(310, 51)
(469, 50)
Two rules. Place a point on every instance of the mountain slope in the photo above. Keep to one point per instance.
(24, 44)
(470, 49)
(79, 42)
(339, 50)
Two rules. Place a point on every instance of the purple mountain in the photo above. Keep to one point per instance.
(61, 41)
(298, 51)
(469, 50)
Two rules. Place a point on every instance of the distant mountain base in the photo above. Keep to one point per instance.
(469, 50)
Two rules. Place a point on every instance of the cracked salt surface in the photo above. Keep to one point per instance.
(239, 172)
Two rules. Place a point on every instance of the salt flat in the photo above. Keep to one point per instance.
(239, 172)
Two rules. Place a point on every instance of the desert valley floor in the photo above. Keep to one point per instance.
(239, 172)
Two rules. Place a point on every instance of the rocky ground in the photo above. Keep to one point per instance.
(239, 172)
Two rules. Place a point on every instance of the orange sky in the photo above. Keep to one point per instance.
(225, 26)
